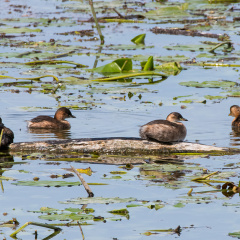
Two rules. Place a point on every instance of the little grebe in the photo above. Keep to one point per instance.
(169, 130)
(235, 112)
(58, 122)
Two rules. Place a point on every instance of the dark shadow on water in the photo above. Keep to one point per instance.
(6, 159)
(48, 133)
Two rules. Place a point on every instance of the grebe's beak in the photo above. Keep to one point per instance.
(183, 119)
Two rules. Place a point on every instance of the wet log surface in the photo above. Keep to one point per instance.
(114, 146)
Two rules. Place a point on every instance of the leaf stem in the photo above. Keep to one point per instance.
(54, 62)
(1, 137)
(33, 78)
(219, 45)
(96, 22)
(13, 235)
(130, 75)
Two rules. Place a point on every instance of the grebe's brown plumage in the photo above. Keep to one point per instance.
(169, 130)
(58, 122)
(235, 112)
(7, 135)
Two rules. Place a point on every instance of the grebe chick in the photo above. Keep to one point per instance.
(7, 135)
(58, 122)
(235, 112)
(166, 131)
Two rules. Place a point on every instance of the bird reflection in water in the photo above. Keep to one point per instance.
(48, 133)
(235, 136)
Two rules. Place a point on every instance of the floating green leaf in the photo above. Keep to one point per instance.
(235, 234)
(117, 66)
(79, 210)
(139, 39)
(168, 11)
(155, 206)
(133, 205)
(175, 98)
(19, 30)
(149, 65)
(48, 210)
(118, 172)
(233, 94)
(127, 47)
(122, 211)
(179, 205)
(214, 97)
(6, 178)
(190, 47)
(171, 68)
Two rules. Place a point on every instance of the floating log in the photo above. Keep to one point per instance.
(114, 146)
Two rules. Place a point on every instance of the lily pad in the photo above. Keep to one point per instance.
(99, 200)
(19, 30)
(209, 84)
(48, 210)
(214, 97)
(67, 217)
(47, 183)
(127, 47)
(122, 211)
(179, 205)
